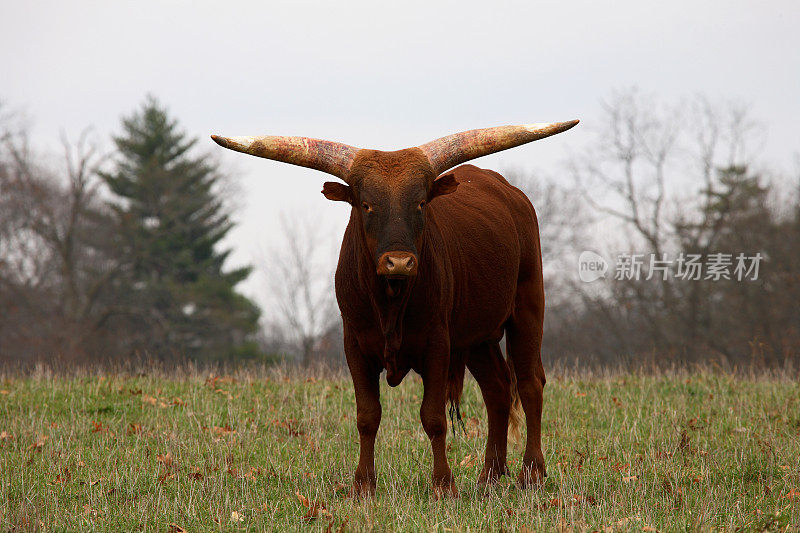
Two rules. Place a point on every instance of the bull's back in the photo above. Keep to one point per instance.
(491, 237)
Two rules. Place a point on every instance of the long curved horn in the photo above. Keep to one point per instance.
(458, 148)
(327, 156)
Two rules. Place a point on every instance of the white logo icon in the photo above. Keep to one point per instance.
(591, 266)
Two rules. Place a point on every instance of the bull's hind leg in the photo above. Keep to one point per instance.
(524, 345)
(487, 366)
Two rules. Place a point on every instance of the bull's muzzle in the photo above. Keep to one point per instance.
(397, 264)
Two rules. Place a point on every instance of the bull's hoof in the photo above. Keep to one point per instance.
(445, 489)
(490, 476)
(363, 487)
(531, 476)
(361, 490)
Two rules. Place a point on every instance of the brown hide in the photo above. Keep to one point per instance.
(432, 272)
(479, 267)
(476, 243)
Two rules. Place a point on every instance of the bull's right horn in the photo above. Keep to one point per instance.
(327, 156)
(458, 148)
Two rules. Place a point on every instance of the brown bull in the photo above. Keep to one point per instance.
(432, 272)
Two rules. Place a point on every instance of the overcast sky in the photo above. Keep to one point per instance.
(388, 75)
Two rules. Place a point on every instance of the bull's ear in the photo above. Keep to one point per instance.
(443, 185)
(337, 192)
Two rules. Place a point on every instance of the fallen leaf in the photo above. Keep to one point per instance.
(628, 479)
(579, 499)
(87, 510)
(793, 494)
(4, 392)
(303, 500)
(236, 517)
(6, 436)
(624, 521)
(165, 459)
(619, 467)
(134, 429)
(580, 394)
(175, 528)
(315, 509)
(468, 461)
(148, 399)
(290, 425)
(473, 421)
(212, 380)
(694, 424)
(39, 444)
(224, 430)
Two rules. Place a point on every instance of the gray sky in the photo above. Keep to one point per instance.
(388, 76)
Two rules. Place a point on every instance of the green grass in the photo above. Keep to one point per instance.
(626, 452)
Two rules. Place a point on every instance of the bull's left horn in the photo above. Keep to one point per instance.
(458, 148)
(327, 156)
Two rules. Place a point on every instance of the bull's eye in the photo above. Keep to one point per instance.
(421, 205)
(366, 207)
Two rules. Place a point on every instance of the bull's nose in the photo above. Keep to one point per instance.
(397, 264)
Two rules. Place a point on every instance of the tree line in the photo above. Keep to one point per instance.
(680, 192)
(662, 185)
(116, 257)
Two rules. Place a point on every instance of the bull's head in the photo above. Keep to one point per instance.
(389, 191)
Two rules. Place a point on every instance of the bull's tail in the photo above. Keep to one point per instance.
(455, 385)
(516, 415)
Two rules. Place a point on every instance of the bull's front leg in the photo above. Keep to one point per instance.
(368, 415)
(432, 414)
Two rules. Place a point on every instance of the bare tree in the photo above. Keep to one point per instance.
(54, 257)
(564, 220)
(300, 273)
(677, 179)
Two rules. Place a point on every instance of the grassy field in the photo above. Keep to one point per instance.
(269, 452)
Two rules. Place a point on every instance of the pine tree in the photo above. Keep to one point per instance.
(174, 290)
